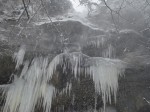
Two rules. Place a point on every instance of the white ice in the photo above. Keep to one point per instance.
(33, 86)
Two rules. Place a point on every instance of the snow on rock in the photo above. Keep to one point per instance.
(69, 17)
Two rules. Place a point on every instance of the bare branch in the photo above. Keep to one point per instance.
(29, 21)
(24, 11)
(49, 16)
(34, 14)
(59, 32)
(25, 7)
(113, 11)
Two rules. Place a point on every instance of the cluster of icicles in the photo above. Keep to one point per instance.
(32, 87)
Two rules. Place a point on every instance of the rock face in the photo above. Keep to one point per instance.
(7, 68)
(133, 91)
(74, 36)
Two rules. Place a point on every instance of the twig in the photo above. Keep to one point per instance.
(49, 16)
(111, 12)
(114, 11)
(146, 100)
(29, 21)
(25, 7)
(24, 11)
(59, 32)
(34, 14)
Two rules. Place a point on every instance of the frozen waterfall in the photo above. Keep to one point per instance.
(32, 87)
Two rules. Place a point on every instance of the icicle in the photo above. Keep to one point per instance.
(75, 59)
(33, 84)
(14, 96)
(95, 103)
(75, 67)
(67, 89)
(105, 74)
(97, 41)
(52, 66)
(18, 57)
(47, 95)
(109, 52)
(24, 92)
(24, 70)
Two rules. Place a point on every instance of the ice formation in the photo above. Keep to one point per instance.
(30, 88)
(18, 57)
(98, 41)
(109, 52)
(105, 73)
(33, 86)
